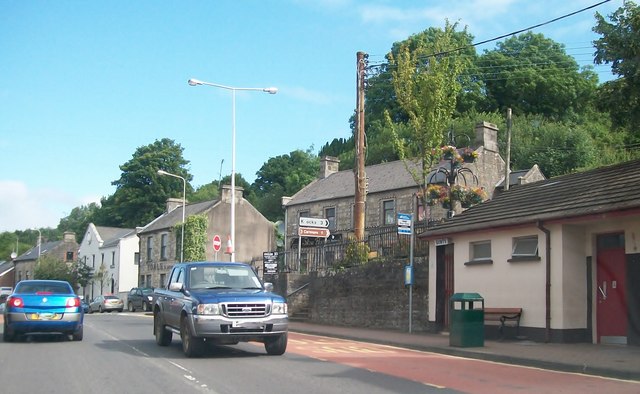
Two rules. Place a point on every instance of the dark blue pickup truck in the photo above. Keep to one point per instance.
(220, 303)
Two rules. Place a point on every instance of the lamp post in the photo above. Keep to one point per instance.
(39, 243)
(272, 90)
(184, 202)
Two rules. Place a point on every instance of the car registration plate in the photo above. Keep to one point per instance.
(251, 325)
(45, 316)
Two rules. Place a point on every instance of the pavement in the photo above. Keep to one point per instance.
(613, 361)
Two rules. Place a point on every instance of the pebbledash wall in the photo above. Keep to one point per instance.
(371, 296)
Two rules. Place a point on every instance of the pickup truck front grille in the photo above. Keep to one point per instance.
(246, 310)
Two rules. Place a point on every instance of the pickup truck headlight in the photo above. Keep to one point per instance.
(208, 309)
(279, 308)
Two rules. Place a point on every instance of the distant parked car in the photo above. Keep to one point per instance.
(85, 306)
(140, 298)
(43, 307)
(106, 303)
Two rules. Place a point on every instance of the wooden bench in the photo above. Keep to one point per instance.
(504, 315)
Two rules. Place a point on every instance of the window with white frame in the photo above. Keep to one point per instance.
(480, 251)
(525, 246)
(389, 212)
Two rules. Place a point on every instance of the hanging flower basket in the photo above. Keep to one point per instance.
(446, 203)
(469, 155)
(449, 152)
(458, 193)
(474, 196)
(436, 192)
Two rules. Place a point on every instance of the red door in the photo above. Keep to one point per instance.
(611, 295)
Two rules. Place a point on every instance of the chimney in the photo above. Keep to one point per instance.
(226, 193)
(487, 136)
(173, 203)
(328, 165)
(69, 236)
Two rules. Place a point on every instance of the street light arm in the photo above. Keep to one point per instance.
(196, 82)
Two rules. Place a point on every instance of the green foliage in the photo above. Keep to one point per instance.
(207, 192)
(532, 74)
(357, 253)
(49, 267)
(83, 273)
(141, 193)
(102, 277)
(619, 47)
(78, 220)
(195, 237)
(283, 175)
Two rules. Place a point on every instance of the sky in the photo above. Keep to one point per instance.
(83, 84)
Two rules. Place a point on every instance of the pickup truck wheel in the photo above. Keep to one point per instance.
(191, 346)
(130, 307)
(276, 346)
(163, 337)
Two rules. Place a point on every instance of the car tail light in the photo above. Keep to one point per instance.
(15, 302)
(73, 302)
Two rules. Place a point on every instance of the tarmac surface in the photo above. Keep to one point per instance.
(614, 361)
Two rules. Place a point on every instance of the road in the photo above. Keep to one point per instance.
(118, 354)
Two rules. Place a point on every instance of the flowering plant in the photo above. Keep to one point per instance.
(449, 152)
(469, 155)
(436, 192)
(474, 195)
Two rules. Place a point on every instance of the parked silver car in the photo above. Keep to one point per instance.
(106, 303)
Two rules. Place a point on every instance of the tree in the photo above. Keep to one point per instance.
(619, 47)
(532, 74)
(141, 193)
(208, 192)
(282, 176)
(426, 84)
(83, 273)
(49, 267)
(102, 277)
(78, 220)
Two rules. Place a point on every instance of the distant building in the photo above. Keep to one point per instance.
(65, 250)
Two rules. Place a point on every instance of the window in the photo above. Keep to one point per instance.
(69, 256)
(136, 258)
(330, 215)
(388, 212)
(113, 259)
(163, 247)
(102, 257)
(149, 248)
(26, 275)
(480, 251)
(163, 280)
(525, 246)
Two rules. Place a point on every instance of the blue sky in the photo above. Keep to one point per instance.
(83, 84)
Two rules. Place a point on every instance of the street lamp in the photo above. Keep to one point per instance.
(272, 90)
(184, 202)
(39, 243)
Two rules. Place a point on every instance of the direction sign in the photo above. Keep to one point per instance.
(314, 222)
(217, 243)
(313, 232)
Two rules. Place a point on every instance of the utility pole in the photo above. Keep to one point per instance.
(358, 169)
(507, 167)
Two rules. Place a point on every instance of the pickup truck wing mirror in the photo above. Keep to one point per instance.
(268, 286)
(176, 286)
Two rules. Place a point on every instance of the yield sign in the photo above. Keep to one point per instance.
(313, 232)
(217, 243)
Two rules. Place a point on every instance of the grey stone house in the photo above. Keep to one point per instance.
(391, 190)
(65, 250)
(159, 242)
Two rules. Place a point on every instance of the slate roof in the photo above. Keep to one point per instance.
(169, 219)
(112, 235)
(606, 189)
(32, 254)
(381, 177)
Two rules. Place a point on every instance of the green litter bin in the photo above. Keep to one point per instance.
(466, 324)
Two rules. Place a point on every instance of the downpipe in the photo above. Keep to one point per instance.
(547, 233)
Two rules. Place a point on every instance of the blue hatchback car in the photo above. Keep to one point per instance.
(43, 307)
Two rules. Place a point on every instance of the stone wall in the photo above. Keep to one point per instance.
(371, 296)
